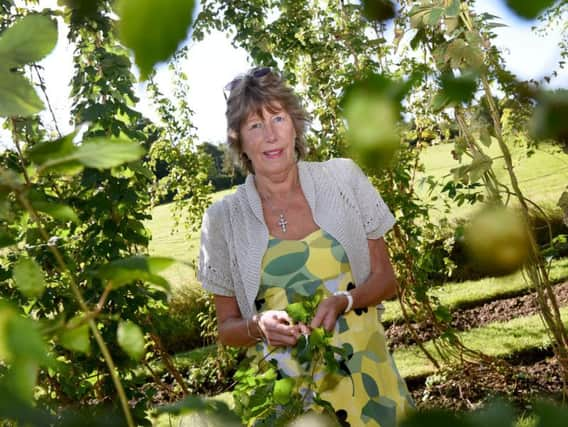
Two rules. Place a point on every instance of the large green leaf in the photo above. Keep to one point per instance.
(57, 210)
(75, 336)
(103, 154)
(219, 409)
(152, 29)
(135, 268)
(17, 96)
(379, 10)
(20, 337)
(283, 390)
(21, 377)
(131, 339)
(28, 278)
(51, 150)
(529, 9)
(100, 153)
(30, 39)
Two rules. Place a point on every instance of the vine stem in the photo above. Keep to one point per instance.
(75, 290)
(79, 297)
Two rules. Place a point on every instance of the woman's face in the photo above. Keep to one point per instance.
(268, 140)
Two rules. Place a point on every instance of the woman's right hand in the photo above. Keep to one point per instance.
(278, 328)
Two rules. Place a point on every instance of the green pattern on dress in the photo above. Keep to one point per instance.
(374, 394)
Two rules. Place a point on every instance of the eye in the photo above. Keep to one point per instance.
(278, 118)
(255, 125)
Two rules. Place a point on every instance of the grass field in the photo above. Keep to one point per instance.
(543, 177)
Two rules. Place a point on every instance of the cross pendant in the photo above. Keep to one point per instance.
(282, 223)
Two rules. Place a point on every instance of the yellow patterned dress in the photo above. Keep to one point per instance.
(374, 394)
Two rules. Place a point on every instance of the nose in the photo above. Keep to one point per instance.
(269, 134)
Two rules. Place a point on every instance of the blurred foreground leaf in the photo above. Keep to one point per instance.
(219, 410)
(152, 29)
(17, 95)
(100, 153)
(28, 40)
(379, 10)
(529, 9)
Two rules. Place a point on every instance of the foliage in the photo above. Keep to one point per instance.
(74, 266)
(265, 395)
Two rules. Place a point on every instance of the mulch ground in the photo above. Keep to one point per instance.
(473, 385)
(526, 376)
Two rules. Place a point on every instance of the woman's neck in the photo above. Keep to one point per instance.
(278, 186)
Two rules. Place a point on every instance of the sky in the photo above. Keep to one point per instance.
(213, 62)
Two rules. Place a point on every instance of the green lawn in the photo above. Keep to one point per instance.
(496, 339)
(474, 292)
(176, 243)
(542, 177)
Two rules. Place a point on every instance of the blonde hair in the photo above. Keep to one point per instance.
(250, 94)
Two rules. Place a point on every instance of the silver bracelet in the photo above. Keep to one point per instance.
(349, 300)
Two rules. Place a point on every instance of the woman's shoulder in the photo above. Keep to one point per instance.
(218, 207)
(339, 167)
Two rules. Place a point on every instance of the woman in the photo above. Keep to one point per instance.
(294, 228)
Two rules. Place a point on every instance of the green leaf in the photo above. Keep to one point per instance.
(458, 89)
(21, 377)
(485, 137)
(56, 210)
(30, 39)
(170, 19)
(481, 163)
(131, 339)
(52, 150)
(17, 96)
(549, 117)
(439, 101)
(135, 268)
(20, 337)
(529, 9)
(102, 153)
(75, 336)
(378, 10)
(297, 312)
(550, 415)
(98, 153)
(283, 390)
(434, 16)
(201, 404)
(28, 278)
(497, 414)
(453, 10)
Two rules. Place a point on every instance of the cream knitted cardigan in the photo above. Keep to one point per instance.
(234, 235)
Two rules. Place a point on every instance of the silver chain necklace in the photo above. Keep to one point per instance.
(282, 221)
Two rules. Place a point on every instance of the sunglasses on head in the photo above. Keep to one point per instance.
(256, 73)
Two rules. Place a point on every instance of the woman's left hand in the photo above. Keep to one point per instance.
(328, 311)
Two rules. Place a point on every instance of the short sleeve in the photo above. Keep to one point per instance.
(376, 216)
(214, 269)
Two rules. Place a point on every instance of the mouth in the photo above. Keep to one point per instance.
(273, 154)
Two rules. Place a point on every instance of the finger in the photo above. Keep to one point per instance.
(318, 318)
(329, 321)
